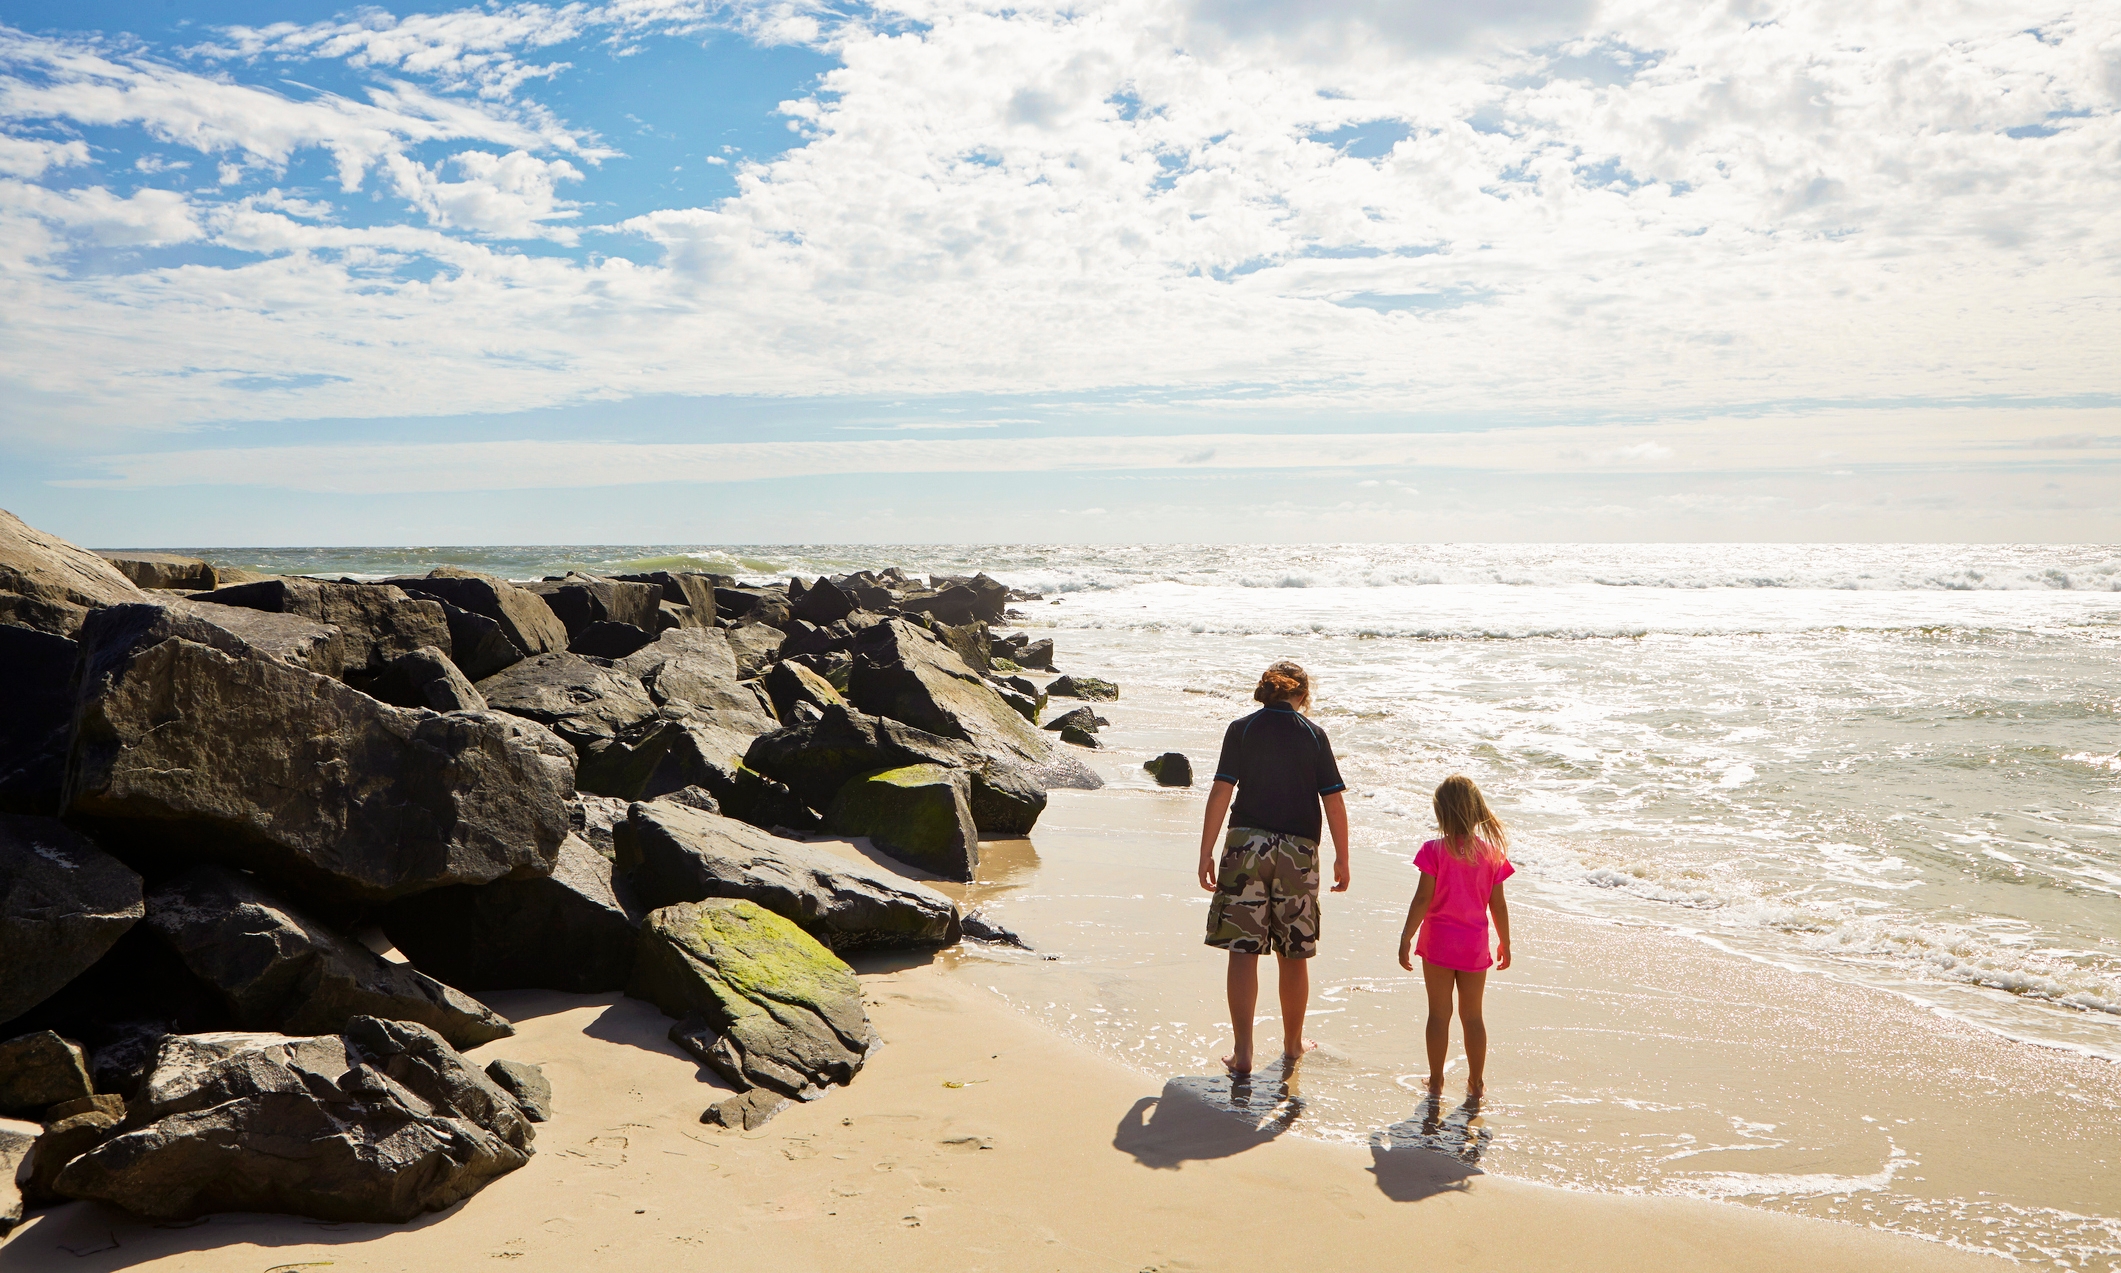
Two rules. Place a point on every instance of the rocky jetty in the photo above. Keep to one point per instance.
(222, 793)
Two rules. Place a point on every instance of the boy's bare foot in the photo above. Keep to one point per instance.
(1473, 1094)
(1309, 1045)
(1238, 1063)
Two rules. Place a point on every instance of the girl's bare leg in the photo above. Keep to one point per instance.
(1438, 981)
(1295, 1001)
(1471, 987)
(1242, 983)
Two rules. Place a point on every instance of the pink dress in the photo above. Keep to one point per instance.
(1455, 932)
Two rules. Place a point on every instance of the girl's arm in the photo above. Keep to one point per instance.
(1337, 823)
(1417, 910)
(1211, 830)
(1500, 909)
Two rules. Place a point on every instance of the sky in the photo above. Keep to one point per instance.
(773, 271)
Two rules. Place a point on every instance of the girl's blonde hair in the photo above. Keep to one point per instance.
(1470, 828)
(1285, 682)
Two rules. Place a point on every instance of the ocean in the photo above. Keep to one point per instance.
(1890, 766)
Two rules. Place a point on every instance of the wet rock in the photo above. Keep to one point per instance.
(1005, 800)
(1081, 737)
(63, 903)
(377, 623)
(37, 691)
(1171, 769)
(979, 928)
(790, 683)
(785, 1013)
(756, 646)
(377, 1125)
(822, 602)
(567, 931)
(919, 814)
(18, 1142)
(582, 601)
(608, 640)
(166, 571)
(674, 854)
(427, 678)
(242, 759)
(1088, 687)
(527, 1084)
(522, 616)
(1037, 654)
(1081, 718)
(816, 760)
(693, 665)
(902, 672)
(49, 584)
(40, 1070)
(281, 969)
(587, 704)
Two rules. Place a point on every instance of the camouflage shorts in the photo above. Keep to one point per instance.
(1266, 895)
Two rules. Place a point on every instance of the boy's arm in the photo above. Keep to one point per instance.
(1337, 823)
(1417, 910)
(1219, 794)
(1500, 909)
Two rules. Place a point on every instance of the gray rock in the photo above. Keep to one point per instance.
(609, 640)
(527, 1084)
(693, 665)
(953, 605)
(585, 703)
(427, 678)
(677, 748)
(1036, 654)
(816, 759)
(1081, 737)
(1171, 769)
(582, 601)
(979, 928)
(567, 931)
(790, 683)
(476, 643)
(242, 759)
(1081, 718)
(745, 1111)
(117, 632)
(920, 814)
(674, 854)
(593, 818)
(756, 646)
(40, 1070)
(1088, 687)
(901, 672)
(378, 623)
(49, 584)
(1005, 800)
(821, 603)
(37, 686)
(523, 617)
(784, 1012)
(71, 1130)
(164, 570)
(377, 1125)
(63, 903)
(969, 642)
(280, 969)
(18, 1142)
(692, 589)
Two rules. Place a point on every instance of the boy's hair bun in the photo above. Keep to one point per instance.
(1284, 682)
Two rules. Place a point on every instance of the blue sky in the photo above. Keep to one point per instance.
(768, 271)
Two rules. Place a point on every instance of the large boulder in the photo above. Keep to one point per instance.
(37, 688)
(756, 646)
(585, 703)
(692, 589)
(567, 931)
(164, 570)
(18, 1141)
(523, 617)
(377, 1125)
(817, 758)
(581, 601)
(63, 904)
(696, 666)
(477, 645)
(1006, 800)
(377, 623)
(293, 640)
(49, 584)
(280, 969)
(790, 683)
(761, 1000)
(920, 814)
(952, 604)
(427, 678)
(1089, 687)
(908, 675)
(71, 1130)
(821, 603)
(243, 759)
(1172, 769)
(676, 854)
(39, 1070)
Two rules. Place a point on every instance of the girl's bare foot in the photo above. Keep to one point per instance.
(1309, 1045)
(1474, 1093)
(1238, 1063)
(1436, 1085)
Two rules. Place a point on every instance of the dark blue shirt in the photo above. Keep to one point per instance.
(1281, 764)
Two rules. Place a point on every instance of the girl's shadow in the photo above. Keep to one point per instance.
(1431, 1152)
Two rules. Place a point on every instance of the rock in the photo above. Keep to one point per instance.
(1083, 687)
(1081, 718)
(1006, 647)
(567, 931)
(821, 603)
(164, 570)
(1024, 705)
(581, 601)
(377, 623)
(242, 759)
(427, 678)
(1005, 800)
(979, 928)
(40, 1070)
(676, 749)
(670, 616)
(50, 585)
(477, 645)
(920, 814)
(527, 1084)
(746, 1110)
(63, 903)
(585, 703)
(1171, 769)
(902, 673)
(608, 640)
(17, 1150)
(118, 631)
(816, 760)
(674, 854)
(71, 1130)
(280, 969)
(37, 688)
(1081, 737)
(969, 642)
(377, 1125)
(786, 1013)
(695, 665)
(732, 603)
(953, 605)
(755, 646)
(693, 798)
(691, 589)
(593, 817)
(1037, 654)
(790, 683)
(523, 617)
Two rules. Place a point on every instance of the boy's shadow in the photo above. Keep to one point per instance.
(1431, 1152)
(1203, 1116)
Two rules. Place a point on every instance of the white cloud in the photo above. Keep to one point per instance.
(506, 196)
(30, 156)
(147, 217)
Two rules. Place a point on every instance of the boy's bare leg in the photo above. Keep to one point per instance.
(1295, 1002)
(1472, 986)
(1242, 983)
(1438, 982)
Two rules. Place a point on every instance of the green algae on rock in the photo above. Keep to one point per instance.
(920, 814)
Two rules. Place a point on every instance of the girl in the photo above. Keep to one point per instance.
(1461, 885)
